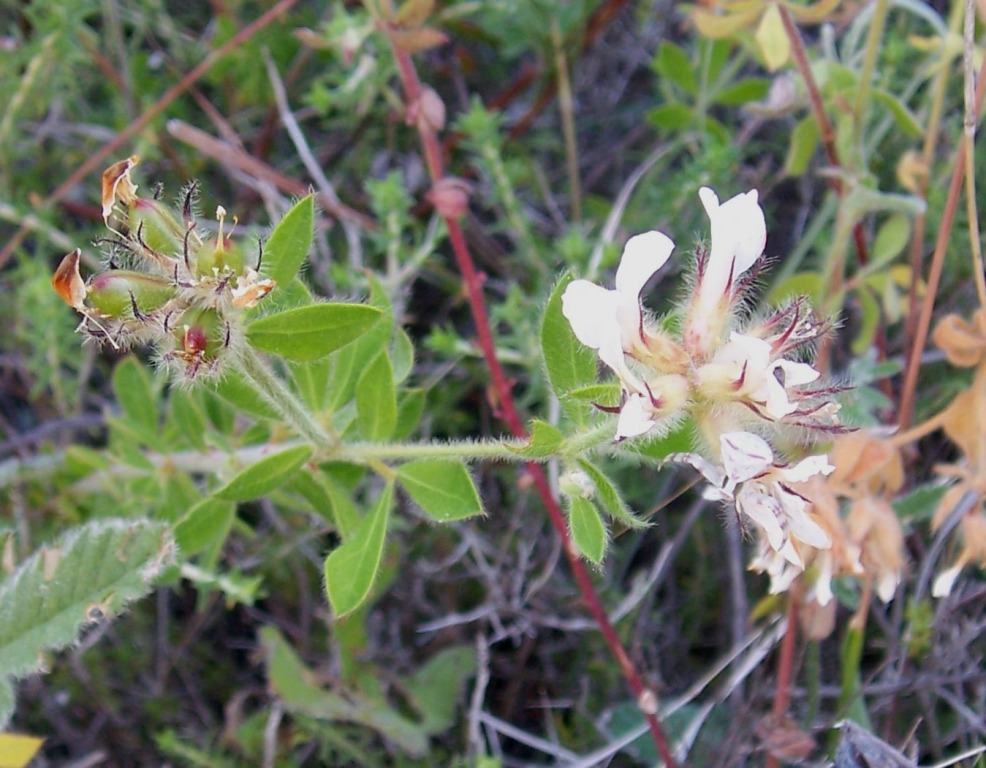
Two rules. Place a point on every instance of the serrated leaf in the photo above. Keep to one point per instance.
(609, 496)
(351, 568)
(545, 440)
(133, 390)
(204, 525)
(441, 487)
(87, 575)
(587, 529)
(804, 140)
(376, 400)
(673, 63)
(309, 333)
(289, 243)
(570, 364)
(263, 476)
(772, 39)
(17, 750)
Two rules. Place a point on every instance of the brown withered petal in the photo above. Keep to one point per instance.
(963, 343)
(118, 186)
(782, 738)
(68, 282)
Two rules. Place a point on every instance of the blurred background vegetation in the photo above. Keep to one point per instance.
(573, 124)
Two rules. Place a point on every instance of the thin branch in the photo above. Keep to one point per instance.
(508, 411)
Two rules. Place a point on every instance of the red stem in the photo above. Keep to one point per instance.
(785, 666)
(508, 410)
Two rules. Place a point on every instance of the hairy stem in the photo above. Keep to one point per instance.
(646, 698)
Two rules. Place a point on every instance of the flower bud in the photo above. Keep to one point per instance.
(123, 294)
(156, 226)
(450, 196)
(201, 336)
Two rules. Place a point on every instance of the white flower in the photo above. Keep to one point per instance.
(743, 368)
(739, 234)
(610, 320)
(761, 492)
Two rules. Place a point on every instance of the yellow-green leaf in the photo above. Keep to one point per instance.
(771, 37)
(17, 750)
(588, 531)
(264, 476)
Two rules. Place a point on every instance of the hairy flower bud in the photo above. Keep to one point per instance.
(155, 226)
(123, 294)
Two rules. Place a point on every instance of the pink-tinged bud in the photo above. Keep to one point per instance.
(124, 295)
(201, 336)
(118, 186)
(450, 196)
(155, 225)
(428, 112)
(68, 282)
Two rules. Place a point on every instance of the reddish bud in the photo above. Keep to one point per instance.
(428, 112)
(450, 196)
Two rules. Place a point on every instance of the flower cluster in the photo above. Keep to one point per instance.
(737, 380)
(167, 284)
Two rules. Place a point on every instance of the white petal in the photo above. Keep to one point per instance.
(741, 349)
(886, 587)
(823, 582)
(744, 455)
(946, 579)
(809, 467)
(636, 417)
(591, 311)
(802, 526)
(796, 374)
(775, 398)
(789, 553)
(762, 510)
(710, 471)
(643, 255)
(710, 200)
(741, 223)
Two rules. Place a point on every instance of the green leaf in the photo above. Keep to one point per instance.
(349, 363)
(670, 117)
(188, 415)
(205, 524)
(289, 243)
(441, 487)
(745, 91)
(312, 382)
(6, 701)
(344, 511)
(588, 531)
(234, 389)
(609, 497)
(309, 333)
(801, 284)
(920, 504)
(376, 400)
(351, 568)
(434, 689)
(772, 39)
(570, 364)
(545, 440)
(804, 140)
(409, 410)
(869, 316)
(292, 682)
(133, 390)
(891, 239)
(86, 576)
(672, 63)
(904, 118)
(263, 476)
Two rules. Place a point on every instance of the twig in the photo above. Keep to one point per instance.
(645, 697)
(99, 156)
(784, 666)
(935, 270)
(325, 188)
(229, 154)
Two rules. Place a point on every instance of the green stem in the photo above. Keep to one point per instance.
(368, 453)
(273, 391)
(873, 38)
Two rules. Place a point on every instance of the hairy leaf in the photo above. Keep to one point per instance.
(441, 487)
(289, 243)
(265, 475)
(309, 333)
(588, 531)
